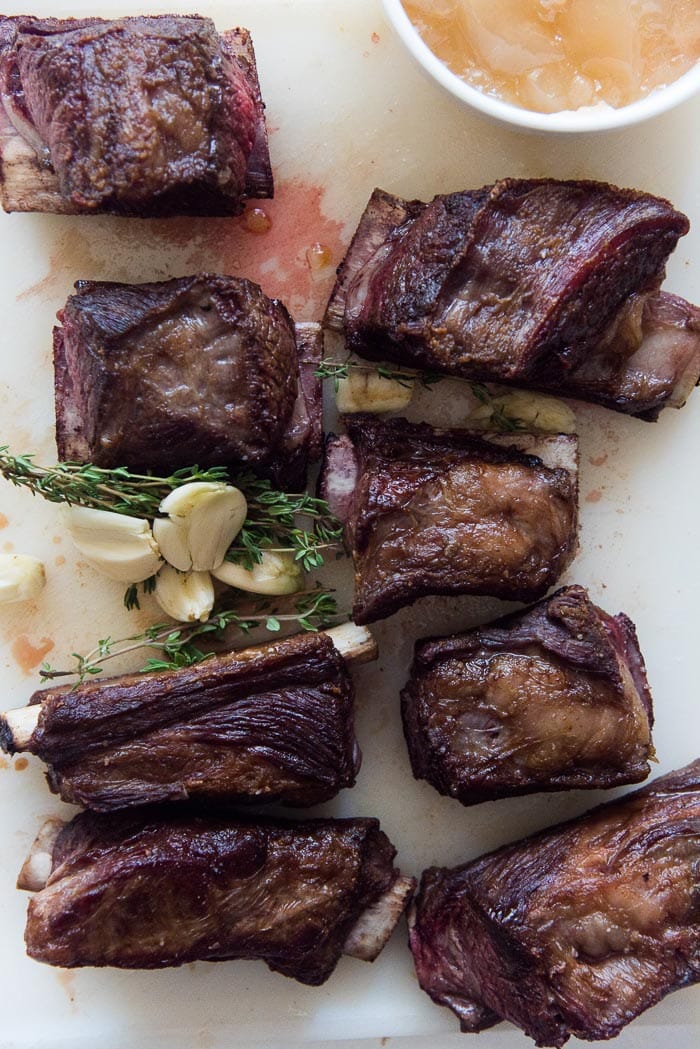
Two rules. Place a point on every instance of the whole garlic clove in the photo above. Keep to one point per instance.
(366, 391)
(171, 534)
(213, 525)
(182, 501)
(119, 546)
(210, 517)
(276, 574)
(21, 578)
(186, 596)
(534, 411)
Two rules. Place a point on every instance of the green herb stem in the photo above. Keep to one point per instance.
(311, 611)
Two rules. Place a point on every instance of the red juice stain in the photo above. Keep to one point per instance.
(4, 521)
(375, 38)
(598, 460)
(28, 655)
(274, 252)
(594, 496)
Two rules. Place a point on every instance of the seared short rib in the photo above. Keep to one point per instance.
(552, 698)
(156, 115)
(535, 283)
(264, 724)
(141, 891)
(446, 512)
(574, 931)
(204, 369)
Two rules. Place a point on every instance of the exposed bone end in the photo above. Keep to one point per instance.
(339, 475)
(556, 450)
(17, 728)
(355, 643)
(373, 928)
(39, 863)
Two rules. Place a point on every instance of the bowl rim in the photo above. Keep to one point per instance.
(590, 118)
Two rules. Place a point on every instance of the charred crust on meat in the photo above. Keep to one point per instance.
(552, 698)
(202, 150)
(539, 283)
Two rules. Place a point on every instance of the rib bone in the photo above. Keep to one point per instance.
(375, 925)
(17, 727)
(355, 643)
(37, 866)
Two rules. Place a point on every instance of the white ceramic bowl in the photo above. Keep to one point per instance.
(592, 118)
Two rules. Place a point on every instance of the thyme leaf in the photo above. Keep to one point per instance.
(311, 611)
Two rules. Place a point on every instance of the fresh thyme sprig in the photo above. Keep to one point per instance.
(337, 370)
(499, 417)
(311, 611)
(271, 523)
(116, 489)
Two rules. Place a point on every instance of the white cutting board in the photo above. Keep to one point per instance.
(347, 111)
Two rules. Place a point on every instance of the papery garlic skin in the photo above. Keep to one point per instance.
(367, 391)
(203, 520)
(186, 596)
(277, 574)
(117, 545)
(22, 578)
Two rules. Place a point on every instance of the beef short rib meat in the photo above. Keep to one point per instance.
(204, 369)
(145, 116)
(552, 698)
(446, 512)
(264, 724)
(145, 892)
(576, 930)
(535, 283)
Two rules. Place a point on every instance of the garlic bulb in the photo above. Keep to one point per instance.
(21, 578)
(117, 545)
(276, 574)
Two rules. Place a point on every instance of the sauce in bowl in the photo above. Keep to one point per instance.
(555, 55)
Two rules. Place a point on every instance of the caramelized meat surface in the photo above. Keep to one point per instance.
(551, 698)
(444, 512)
(543, 284)
(265, 724)
(142, 892)
(204, 369)
(140, 116)
(576, 930)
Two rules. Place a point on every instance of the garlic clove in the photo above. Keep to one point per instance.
(212, 526)
(186, 596)
(182, 501)
(276, 574)
(534, 411)
(366, 391)
(21, 578)
(171, 534)
(117, 545)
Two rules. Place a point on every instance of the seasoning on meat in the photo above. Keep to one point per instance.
(552, 698)
(265, 724)
(203, 369)
(535, 283)
(574, 931)
(446, 512)
(153, 115)
(139, 891)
